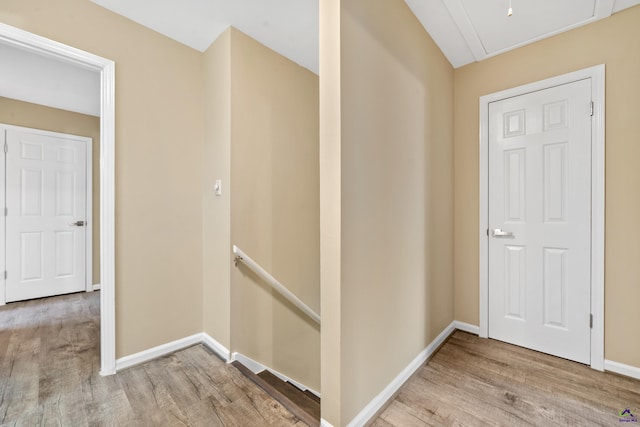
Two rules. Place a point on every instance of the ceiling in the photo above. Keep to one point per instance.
(473, 30)
(40, 79)
(290, 27)
(465, 30)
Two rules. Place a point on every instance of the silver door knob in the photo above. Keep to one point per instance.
(78, 223)
(497, 232)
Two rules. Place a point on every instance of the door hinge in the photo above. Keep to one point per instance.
(6, 211)
(5, 275)
(6, 147)
(487, 232)
(591, 321)
(591, 109)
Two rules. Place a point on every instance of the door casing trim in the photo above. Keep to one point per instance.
(597, 76)
(18, 38)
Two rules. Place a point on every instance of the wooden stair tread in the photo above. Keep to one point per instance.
(284, 400)
(312, 396)
(299, 397)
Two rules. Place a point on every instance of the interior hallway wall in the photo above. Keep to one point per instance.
(216, 210)
(158, 235)
(275, 207)
(387, 211)
(261, 139)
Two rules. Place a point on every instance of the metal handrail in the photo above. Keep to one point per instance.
(255, 267)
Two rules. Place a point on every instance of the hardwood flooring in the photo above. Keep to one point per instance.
(49, 364)
(305, 401)
(295, 400)
(49, 375)
(478, 382)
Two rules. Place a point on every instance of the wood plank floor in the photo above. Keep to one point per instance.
(304, 400)
(289, 398)
(49, 375)
(49, 364)
(477, 382)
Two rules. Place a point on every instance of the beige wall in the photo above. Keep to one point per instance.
(261, 139)
(275, 207)
(158, 165)
(216, 210)
(615, 42)
(330, 211)
(18, 113)
(395, 151)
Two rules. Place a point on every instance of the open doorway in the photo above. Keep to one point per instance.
(14, 37)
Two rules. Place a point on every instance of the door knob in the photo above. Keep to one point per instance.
(497, 232)
(78, 223)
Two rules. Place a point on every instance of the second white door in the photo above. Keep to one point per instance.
(540, 220)
(46, 183)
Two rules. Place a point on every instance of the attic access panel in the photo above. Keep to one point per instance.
(531, 20)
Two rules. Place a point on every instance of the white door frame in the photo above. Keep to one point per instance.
(25, 40)
(597, 76)
(88, 241)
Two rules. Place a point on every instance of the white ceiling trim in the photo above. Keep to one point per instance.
(451, 23)
(603, 9)
(623, 4)
(462, 21)
(437, 21)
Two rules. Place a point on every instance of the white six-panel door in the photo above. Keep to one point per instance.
(46, 184)
(540, 220)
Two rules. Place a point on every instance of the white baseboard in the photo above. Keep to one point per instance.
(466, 327)
(211, 343)
(294, 382)
(171, 347)
(325, 423)
(622, 369)
(222, 352)
(257, 367)
(155, 352)
(376, 403)
(381, 399)
(96, 286)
